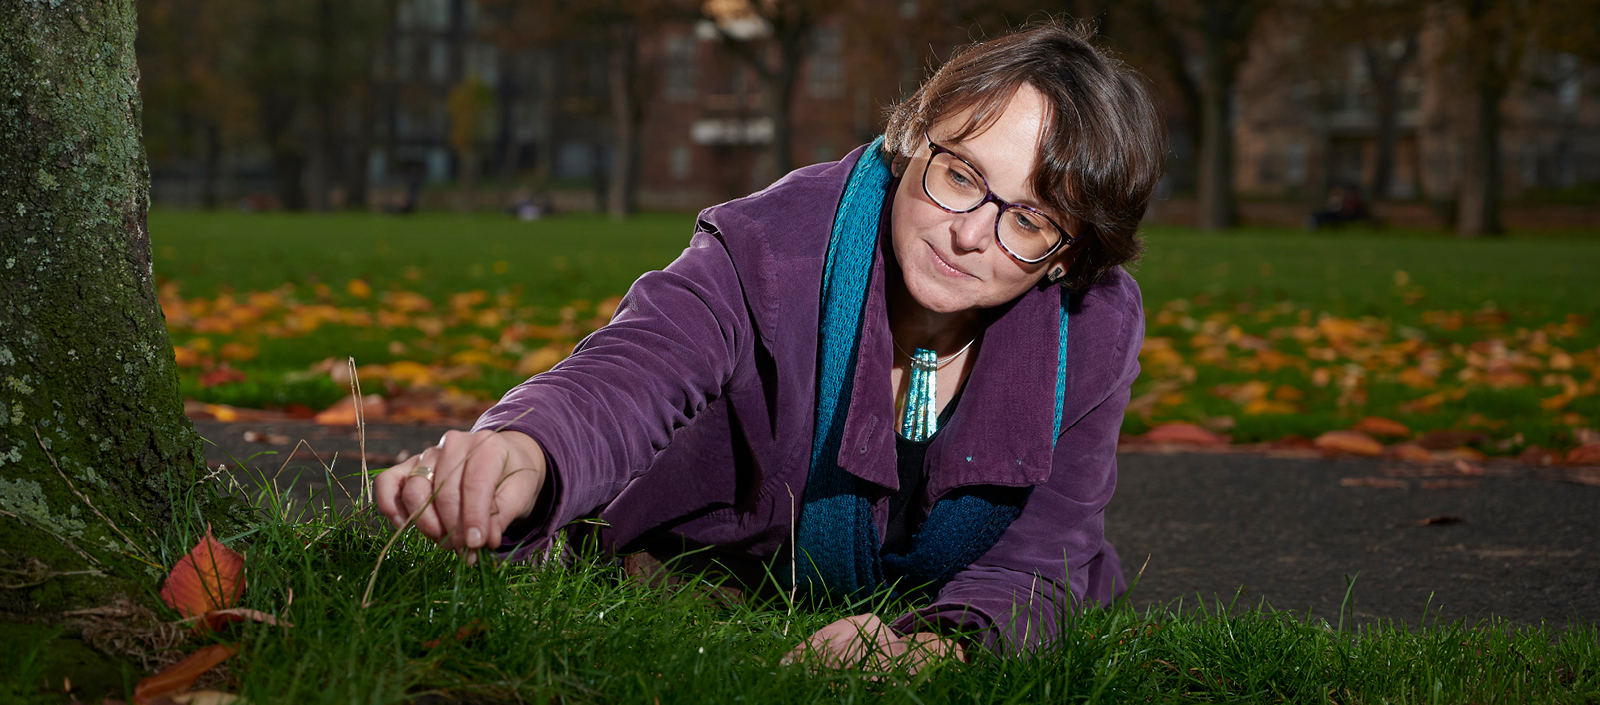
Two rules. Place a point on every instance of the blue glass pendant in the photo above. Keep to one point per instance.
(921, 418)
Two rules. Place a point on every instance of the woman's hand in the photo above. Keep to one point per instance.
(463, 492)
(866, 641)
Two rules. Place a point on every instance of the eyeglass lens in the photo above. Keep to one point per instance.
(953, 184)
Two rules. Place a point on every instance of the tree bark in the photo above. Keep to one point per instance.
(626, 115)
(1479, 207)
(1386, 73)
(94, 447)
(1217, 210)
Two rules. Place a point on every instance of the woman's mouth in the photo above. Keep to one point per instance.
(946, 268)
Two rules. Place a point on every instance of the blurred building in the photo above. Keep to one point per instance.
(1308, 120)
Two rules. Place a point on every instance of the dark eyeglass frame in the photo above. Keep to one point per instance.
(988, 196)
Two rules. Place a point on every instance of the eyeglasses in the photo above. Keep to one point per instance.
(956, 186)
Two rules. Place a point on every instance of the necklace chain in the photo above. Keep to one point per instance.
(939, 363)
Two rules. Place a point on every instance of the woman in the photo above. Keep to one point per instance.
(863, 373)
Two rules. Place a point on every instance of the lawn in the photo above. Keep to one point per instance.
(1259, 333)
(436, 630)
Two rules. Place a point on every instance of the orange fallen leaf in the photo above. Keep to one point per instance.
(179, 675)
(1382, 428)
(1351, 442)
(216, 619)
(343, 413)
(1587, 454)
(1183, 433)
(1378, 483)
(211, 577)
(1411, 452)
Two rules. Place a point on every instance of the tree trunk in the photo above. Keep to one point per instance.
(1479, 208)
(94, 446)
(625, 113)
(1215, 173)
(1386, 73)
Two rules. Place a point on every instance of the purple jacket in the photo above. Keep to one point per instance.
(692, 412)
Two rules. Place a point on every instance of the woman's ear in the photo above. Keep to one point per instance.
(897, 166)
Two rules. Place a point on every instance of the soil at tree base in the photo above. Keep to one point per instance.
(1221, 526)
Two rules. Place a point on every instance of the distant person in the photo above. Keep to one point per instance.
(1344, 205)
(913, 360)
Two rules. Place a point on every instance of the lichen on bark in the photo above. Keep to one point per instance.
(92, 422)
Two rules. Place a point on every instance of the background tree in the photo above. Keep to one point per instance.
(620, 26)
(94, 445)
(1386, 34)
(1488, 39)
(772, 38)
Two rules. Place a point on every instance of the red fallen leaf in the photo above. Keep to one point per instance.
(1441, 520)
(1587, 454)
(1445, 439)
(1380, 427)
(1351, 442)
(1539, 457)
(297, 410)
(179, 675)
(1184, 433)
(471, 629)
(1463, 453)
(1378, 483)
(1468, 468)
(211, 577)
(1412, 453)
(216, 619)
(343, 413)
(221, 375)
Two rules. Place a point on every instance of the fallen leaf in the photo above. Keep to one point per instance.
(1446, 439)
(221, 375)
(1466, 453)
(216, 619)
(179, 675)
(343, 413)
(1540, 457)
(211, 577)
(205, 697)
(1451, 483)
(1183, 433)
(1411, 453)
(268, 438)
(1380, 427)
(540, 360)
(1351, 442)
(1587, 454)
(1379, 483)
(1441, 520)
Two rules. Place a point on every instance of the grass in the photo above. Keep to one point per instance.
(493, 632)
(1408, 292)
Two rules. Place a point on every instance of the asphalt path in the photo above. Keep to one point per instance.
(1208, 528)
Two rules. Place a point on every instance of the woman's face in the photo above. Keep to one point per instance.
(951, 261)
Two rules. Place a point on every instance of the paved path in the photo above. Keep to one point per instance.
(1284, 531)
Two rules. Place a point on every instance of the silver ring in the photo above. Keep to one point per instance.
(422, 471)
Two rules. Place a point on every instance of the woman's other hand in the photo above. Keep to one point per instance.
(865, 641)
(478, 483)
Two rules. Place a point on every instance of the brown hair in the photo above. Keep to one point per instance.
(1100, 151)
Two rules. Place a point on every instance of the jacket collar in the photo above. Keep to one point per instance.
(1000, 433)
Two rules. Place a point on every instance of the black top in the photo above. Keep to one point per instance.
(905, 505)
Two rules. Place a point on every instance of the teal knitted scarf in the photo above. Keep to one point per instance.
(836, 542)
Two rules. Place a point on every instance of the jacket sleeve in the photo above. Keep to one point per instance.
(602, 414)
(1054, 556)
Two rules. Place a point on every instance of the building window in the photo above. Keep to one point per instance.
(825, 74)
(680, 72)
(681, 166)
(439, 61)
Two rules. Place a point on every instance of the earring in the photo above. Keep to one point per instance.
(1056, 273)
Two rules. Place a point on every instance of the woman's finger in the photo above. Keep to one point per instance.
(454, 451)
(480, 477)
(417, 494)
(386, 490)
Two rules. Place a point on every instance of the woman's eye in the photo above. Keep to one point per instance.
(959, 179)
(1027, 222)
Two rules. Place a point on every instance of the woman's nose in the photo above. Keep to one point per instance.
(974, 231)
